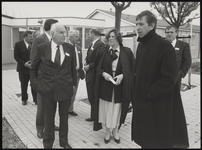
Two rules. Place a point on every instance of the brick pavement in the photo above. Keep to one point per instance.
(81, 134)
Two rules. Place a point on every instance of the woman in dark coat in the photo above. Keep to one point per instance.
(158, 116)
(112, 99)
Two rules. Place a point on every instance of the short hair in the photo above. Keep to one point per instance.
(117, 34)
(95, 31)
(48, 23)
(172, 26)
(72, 32)
(150, 17)
(25, 34)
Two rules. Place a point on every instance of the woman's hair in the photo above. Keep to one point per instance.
(117, 34)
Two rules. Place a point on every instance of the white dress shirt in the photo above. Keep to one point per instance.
(53, 52)
(174, 42)
(48, 36)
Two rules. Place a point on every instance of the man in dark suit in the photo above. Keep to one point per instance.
(182, 51)
(94, 36)
(73, 40)
(56, 82)
(43, 38)
(22, 56)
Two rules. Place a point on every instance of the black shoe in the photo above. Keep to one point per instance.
(107, 141)
(56, 128)
(73, 113)
(40, 134)
(89, 119)
(24, 102)
(67, 147)
(118, 141)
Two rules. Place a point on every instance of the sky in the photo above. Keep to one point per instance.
(73, 9)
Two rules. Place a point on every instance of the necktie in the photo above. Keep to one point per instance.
(113, 54)
(29, 47)
(57, 56)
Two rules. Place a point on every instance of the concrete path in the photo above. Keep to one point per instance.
(81, 135)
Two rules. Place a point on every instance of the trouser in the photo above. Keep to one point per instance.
(71, 108)
(40, 113)
(24, 79)
(91, 96)
(50, 110)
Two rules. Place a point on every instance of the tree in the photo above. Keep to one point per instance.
(119, 7)
(175, 13)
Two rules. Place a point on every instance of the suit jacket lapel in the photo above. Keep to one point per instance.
(177, 44)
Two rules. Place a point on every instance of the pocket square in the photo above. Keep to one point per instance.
(176, 48)
(67, 54)
(78, 51)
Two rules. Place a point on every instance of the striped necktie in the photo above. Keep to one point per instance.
(57, 56)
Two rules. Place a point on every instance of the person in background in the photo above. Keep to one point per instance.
(158, 119)
(112, 100)
(22, 56)
(94, 36)
(40, 39)
(73, 40)
(58, 76)
(182, 51)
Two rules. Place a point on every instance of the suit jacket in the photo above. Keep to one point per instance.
(21, 55)
(36, 42)
(79, 52)
(183, 55)
(90, 59)
(55, 82)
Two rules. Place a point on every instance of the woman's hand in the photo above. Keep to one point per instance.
(106, 76)
(118, 79)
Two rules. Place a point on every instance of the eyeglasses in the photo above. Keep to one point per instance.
(169, 32)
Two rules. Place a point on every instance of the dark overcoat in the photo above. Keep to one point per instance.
(158, 120)
(103, 89)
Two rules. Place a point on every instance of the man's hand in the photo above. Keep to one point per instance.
(118, 79)
(86, 68)
(28, 64)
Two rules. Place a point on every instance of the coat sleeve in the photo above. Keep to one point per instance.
(186, 60)
(34, 49)
(17, 56)
(34, 68)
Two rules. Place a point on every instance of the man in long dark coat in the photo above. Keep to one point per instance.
(158, 117)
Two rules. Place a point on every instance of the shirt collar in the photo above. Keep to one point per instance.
(27, 44)
(174, 42)
(95, 41)
(118, 48)
(54, 45)
(48, 36)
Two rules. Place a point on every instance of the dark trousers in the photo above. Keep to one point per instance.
(40, 113)
(24, 79)
(91, 96)
(50, 110)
